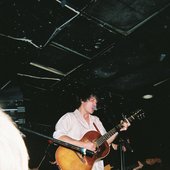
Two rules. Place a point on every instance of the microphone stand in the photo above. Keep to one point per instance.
(123, 143)
(83, 151)
(122, 155)
(46, 152)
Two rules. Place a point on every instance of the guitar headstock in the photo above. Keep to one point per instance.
(138, 114)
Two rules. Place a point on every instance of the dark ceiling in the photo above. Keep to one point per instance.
(50, 50)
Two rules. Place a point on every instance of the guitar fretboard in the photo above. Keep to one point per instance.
(111, 132)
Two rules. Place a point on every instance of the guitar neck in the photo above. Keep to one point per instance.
(111, 132)
(107, 135)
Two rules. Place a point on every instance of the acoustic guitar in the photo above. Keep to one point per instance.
(68, 159)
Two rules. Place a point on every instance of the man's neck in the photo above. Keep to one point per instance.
(85, 114)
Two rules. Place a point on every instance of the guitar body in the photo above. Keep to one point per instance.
(68, 159)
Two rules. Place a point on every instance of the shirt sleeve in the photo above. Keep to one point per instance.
(62, 126)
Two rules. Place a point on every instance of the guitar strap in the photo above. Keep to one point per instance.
(96, 127)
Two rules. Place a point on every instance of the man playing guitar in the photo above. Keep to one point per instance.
(83, 129)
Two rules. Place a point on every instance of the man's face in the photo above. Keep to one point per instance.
(90, 105)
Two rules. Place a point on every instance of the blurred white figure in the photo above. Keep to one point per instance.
(13, 151)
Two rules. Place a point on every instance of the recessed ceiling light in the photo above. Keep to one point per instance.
(147, 96)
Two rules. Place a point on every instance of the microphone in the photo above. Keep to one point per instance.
(95, 108)
(86, 152)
